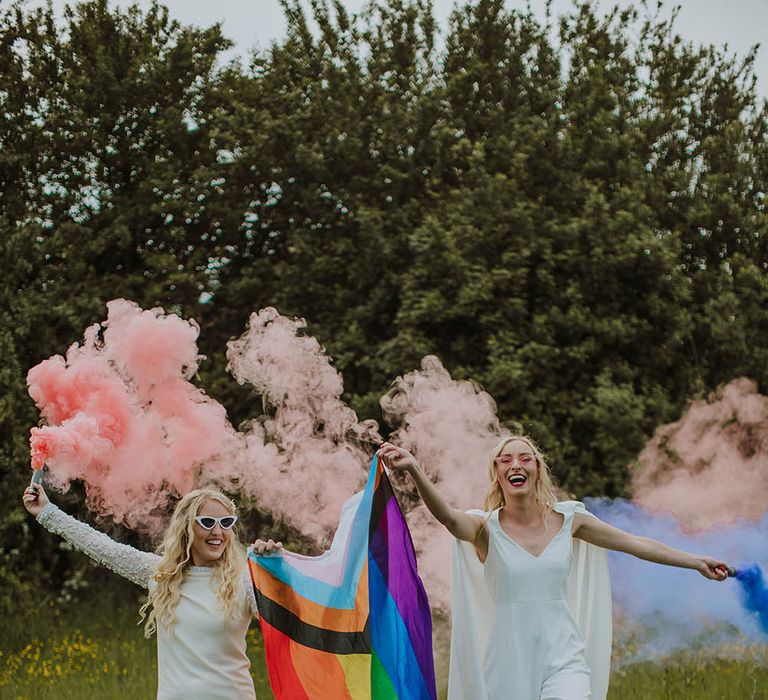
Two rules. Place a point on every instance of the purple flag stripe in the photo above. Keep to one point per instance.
(402, 580)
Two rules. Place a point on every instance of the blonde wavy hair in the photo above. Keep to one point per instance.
(544, 490)
(176, 557)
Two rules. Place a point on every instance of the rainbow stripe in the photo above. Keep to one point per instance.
(353, 623)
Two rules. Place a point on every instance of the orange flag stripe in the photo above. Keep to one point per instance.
(320, 673)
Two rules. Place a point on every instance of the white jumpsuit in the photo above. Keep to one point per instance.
(535, 650)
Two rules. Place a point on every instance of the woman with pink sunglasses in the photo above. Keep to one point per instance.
(530, 598)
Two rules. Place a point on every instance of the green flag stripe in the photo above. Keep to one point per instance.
(381, 686)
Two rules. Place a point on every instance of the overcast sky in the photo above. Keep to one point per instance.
(738, 23)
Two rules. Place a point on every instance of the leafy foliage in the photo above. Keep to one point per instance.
(571, 213)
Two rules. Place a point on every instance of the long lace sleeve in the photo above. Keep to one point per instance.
(129, 562)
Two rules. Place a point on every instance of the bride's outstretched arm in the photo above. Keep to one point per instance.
(595, 531)
(463, 526)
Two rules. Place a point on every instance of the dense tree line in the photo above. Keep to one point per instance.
(570, 212)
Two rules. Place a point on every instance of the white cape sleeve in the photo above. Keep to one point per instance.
(589, 598)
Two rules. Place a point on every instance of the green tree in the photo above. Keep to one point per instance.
(106, 168)
(570, 212)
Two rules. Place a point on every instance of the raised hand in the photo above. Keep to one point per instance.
(269, 547)
(35, 498)
(395, 457)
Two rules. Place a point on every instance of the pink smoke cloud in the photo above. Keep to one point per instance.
(710, 467)
(310, 453)
(123, 417)
(451, 427)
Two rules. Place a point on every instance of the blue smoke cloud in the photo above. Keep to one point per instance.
(665, 609)
(754, 593)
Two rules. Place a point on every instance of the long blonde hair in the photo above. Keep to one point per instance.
(544, 490)
(176, 557)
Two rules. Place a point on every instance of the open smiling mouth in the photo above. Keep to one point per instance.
(214, 542)
(517, 480)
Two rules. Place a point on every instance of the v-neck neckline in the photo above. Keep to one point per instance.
(525, 549)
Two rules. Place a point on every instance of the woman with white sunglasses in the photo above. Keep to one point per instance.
(200, 599)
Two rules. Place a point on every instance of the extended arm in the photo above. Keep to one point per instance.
(130, 563)
(595, 531)
(469, 528)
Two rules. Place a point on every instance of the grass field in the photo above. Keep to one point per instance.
(101, 653)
